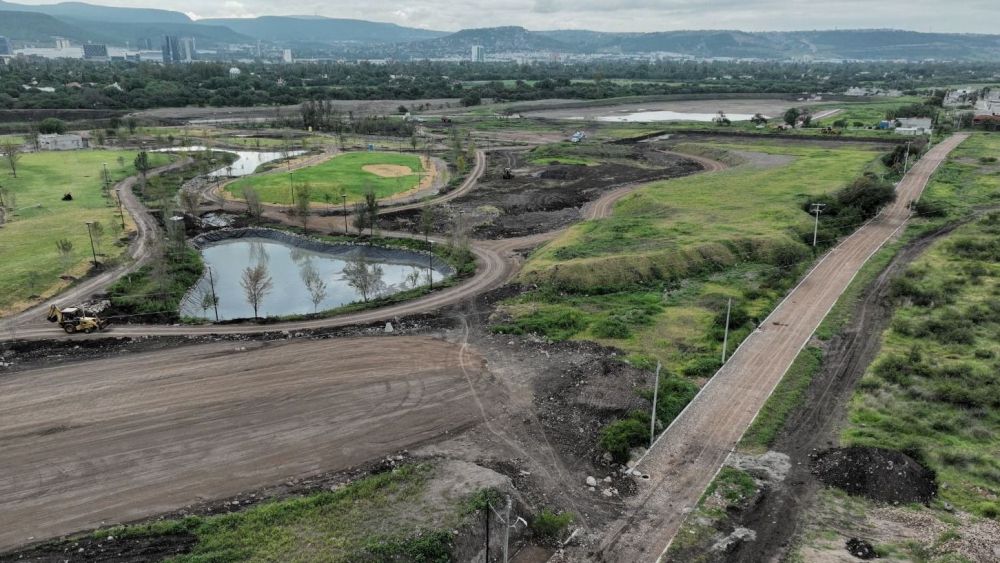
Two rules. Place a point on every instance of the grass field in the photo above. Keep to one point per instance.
(32, 265)
(342, 174)
(654, 279)
(868, 113)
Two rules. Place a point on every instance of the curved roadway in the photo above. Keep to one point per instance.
(497, 265)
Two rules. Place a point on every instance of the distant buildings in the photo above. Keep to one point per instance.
(914, 125)
(67, 142)
(478, 54)
(286, 56)
(62, 43)
(96, 52)
(235, 72)
(178, 49)
(5, 46)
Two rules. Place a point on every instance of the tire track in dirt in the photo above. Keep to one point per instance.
(691, 450)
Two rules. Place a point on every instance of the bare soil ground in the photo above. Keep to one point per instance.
(92, 443)
(540, 199)
(770, 107)
(360, 107)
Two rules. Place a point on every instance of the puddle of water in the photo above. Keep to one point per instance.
(246, 161)
(671, 116)
(289, 267)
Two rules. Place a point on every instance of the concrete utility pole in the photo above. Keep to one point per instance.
(215, 298)
(652, 418)
(816, 208)
(93, 249)
(906, 159)
(725, 338)
(505, 519)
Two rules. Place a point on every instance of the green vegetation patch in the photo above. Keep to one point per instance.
(933, 391)
(701, 223)
(787, 395)
(367, 520)
(32, 265)
(343, 174)
(964, 181)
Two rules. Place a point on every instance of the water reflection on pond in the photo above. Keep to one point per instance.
(304, 281)
(246, 161)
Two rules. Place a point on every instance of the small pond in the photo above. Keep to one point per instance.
(246, 161)
(643, 116)
(291, 268)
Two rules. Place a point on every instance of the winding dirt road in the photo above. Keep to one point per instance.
(497, 264)
(685, 458)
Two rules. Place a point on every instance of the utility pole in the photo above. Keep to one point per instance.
(505, 519)
(652, 418)
(107, 176)
(93, 249)
(121, 212)
(725, 338)
(816, 208)
(344, 197)
(291, 190)
(906, 159)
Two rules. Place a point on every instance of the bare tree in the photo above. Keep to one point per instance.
(209, 300)
(256, 285)
(11, 150)
(364, 276)
(371, 209)
(302, 210)
(191, 202)
(65, 248)
(255, 209)
(314, 284)
(360, 218)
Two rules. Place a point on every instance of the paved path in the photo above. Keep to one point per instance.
(685, 458)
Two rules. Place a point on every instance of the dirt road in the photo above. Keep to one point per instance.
(687, 455)
(129, 437)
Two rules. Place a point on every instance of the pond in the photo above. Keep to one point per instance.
(246, 161)
(645, 116)
(293, 271)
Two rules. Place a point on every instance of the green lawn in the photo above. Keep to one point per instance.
(28, 243)
(869, 113)
(341, 174)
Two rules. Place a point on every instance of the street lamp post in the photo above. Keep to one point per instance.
(93, 249)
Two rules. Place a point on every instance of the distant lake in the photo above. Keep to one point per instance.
(642, 116)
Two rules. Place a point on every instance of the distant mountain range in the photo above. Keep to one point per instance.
(364, 39)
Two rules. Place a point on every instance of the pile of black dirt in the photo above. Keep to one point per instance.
(861, 549)
(875, 473)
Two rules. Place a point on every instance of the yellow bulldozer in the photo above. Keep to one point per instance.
(75, 319)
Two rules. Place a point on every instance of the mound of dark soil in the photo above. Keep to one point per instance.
(861, 549)
(875, 473)
(119, 550)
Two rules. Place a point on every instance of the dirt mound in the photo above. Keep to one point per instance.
(875, 473)
(133, 549)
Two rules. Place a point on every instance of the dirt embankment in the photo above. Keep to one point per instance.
(540, 198)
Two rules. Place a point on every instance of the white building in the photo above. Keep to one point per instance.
(478, 54)
(235, 72)
(68, 142)
(914, 125)
(286, 56)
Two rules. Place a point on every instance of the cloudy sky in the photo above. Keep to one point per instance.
(969, 16)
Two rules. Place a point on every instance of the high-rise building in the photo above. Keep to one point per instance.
(478, 54)
(5, 46)
(62, 43)
(178, 49)
(95, 52)
(286, 56)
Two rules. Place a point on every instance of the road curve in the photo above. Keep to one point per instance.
(496, 259)
(146, 229)
(685, 458)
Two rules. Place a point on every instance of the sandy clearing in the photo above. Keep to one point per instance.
(387, 170)
(120, 439)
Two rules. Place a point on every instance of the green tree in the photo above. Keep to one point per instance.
(11, 150)
(256, 285)
(792, 116)
(52, 125)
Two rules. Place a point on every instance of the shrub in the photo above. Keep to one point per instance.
(612, 326)
(550, 525)
(622, 435)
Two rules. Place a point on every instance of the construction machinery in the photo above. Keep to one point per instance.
(75, 319)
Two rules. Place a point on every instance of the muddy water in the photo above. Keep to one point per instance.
(289, 267)
(246, 161)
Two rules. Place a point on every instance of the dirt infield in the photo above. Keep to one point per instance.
(387, 170)
(99, 442)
